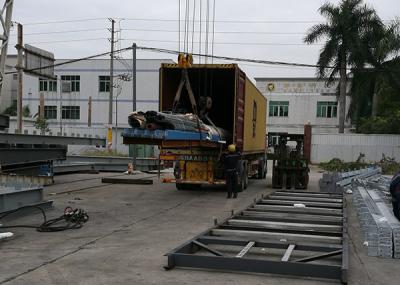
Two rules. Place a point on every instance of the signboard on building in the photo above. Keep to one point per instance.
(39, 62)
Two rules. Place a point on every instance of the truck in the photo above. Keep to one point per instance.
(234, 104)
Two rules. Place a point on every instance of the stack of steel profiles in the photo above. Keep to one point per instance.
(338, 182)
(286, 232)
(14, 195)
(381, 229)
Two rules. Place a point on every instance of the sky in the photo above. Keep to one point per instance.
(257, 29)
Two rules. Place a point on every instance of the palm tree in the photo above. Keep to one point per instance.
(383, 56)
(381, 75)
(344, 28)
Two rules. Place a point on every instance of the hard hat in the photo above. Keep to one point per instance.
(231, 148)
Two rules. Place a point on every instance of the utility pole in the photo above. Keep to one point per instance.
(20, 69)
(6, 24)
(134, 95)
(110, 101)
(134, 77)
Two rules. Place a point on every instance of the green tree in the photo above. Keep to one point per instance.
(343, 31)
(382, 71)
(42, 125)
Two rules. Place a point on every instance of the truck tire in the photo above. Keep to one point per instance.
(262, 171)
(245, 179)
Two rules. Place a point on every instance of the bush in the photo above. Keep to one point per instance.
(380, 125)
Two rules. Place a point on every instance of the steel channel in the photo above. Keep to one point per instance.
(290, 216)
(286, 225)
(309, 199)
(290, 237)
(28, 155)
(6, 138)
(314, 204)
(312, 210)
(254, 265)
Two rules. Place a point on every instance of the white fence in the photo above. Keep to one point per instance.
(348, 147)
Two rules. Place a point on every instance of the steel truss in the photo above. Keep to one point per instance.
(273, 235)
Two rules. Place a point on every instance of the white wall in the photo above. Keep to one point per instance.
(348, 147)
(302, 95)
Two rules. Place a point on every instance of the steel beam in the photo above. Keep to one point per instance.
(287, 226)
(312, 210)
(255, 265)
(290, 237)
(306, 203)
(291, 217)
(6, 138)
(29, 155)
(309, 199)
(4, 122)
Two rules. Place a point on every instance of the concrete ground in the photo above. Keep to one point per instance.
(130, 229)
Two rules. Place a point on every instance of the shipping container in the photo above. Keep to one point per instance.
(237, 105)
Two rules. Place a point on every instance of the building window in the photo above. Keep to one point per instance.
(71, 112)
(50, 112)
(15, 76)
(47, 85)
(279, 108)
(104, 83)
(326, 109)
(71, 83)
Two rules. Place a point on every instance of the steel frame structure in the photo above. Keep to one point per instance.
(303, 233)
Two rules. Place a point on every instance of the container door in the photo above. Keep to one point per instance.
(239, 111)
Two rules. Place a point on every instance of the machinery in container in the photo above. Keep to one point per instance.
(223, 98)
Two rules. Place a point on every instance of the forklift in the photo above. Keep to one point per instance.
(289, 166)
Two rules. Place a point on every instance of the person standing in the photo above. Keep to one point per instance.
(395, 192)
(231, 167)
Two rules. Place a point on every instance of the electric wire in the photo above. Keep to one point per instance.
(175, 52)
(71, 61)
(71, 219)
(179, 25)
(193, 18)
(213, 33)
(200, 31)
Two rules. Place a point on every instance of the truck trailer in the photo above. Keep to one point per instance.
(232, 103)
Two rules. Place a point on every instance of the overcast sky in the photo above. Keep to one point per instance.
(257, 29)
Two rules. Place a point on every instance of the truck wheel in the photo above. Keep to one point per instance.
(261, 173)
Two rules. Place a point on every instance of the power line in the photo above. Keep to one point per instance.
(64, 21)
(228, 43)
(227, 21)
(217, 32)
(175, 52)
(268, 62)
(164, 31)
(64, 32)
(71, 40)
(72, 61)
(172, 41)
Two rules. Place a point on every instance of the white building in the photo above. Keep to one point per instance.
(294, 102)
(66, 100)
